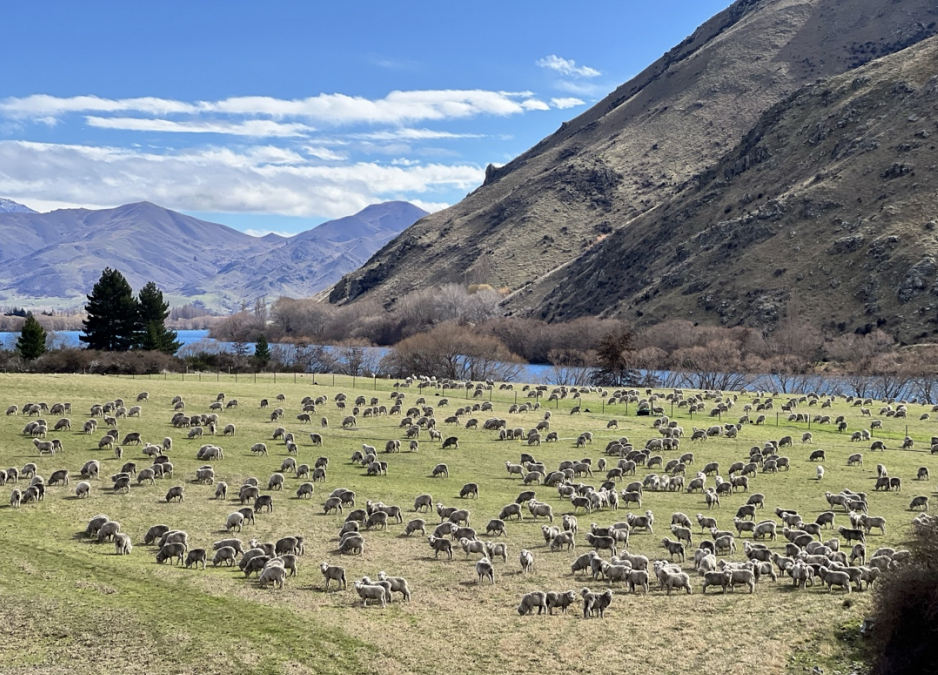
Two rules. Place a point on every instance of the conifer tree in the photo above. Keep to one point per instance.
(153, 312)
(262, 350)
(112, 323)
(32, 341)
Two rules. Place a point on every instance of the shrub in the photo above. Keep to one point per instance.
(906, 606)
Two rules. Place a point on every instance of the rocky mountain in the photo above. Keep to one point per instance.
(830, 203)
(546, 213)
(55, 258)
(9, 206)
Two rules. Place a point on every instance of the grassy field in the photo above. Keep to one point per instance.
(73, 606)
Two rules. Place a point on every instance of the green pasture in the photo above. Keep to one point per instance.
(68, 605)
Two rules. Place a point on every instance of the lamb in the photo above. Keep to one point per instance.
(531, 600)
(333, 573)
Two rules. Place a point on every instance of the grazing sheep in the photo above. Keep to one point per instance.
(267, 502)
(196, 557)
(440, 470)
(919, 502)
(226, 555)
(416, 525)
(122, 544)
(272, 574)
(469, 490)
(175, 492)
(531, 600)
(83, 489)
(171, 550)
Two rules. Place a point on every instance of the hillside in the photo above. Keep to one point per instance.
(55, 258)
(637, 148)
(830, 203)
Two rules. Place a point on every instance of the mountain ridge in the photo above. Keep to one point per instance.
(59, 255)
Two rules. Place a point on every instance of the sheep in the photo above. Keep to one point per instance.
(531, 600)
(170, 551)
(440, 545)
(107, 530)
(416, 525)
(60, 476)
(272, 574)
(595, 603)
(423, 502)
(440, 470)
(352, 543)
(526, 558)
(225, 554)
(540, 509)
(715, 578)
(395, 584)
(332, 573)
(472, 546)
(275, 482)
(16, 498)
(559, 600)
(851, 534)
(175, 492)
(496, 527)
(834, 578)
(372, 592)
(195, 557)
(920, 501)
(83, 489)
(155, 533)
(174, 537)
(509, 510)
(122, 544)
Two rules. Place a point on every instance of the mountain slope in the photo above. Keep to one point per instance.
(60, 255)
(829, 203)
(637, 147)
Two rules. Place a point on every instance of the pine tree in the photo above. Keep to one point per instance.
(32, 341)
(153, 312)
(262, 350)
(112, 323)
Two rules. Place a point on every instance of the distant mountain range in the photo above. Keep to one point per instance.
(54, 259)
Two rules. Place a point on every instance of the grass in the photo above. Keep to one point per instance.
(74, 605)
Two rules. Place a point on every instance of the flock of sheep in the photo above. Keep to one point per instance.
(787, 544)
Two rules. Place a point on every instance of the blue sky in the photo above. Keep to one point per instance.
(276, 116)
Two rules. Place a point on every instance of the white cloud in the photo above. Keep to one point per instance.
(324, 154)
(254, 128)
(219, 180)
(398, 107)
(587, 89)
(431, 207)
(567, 67)
(534, 104)
(412, 135)
(564, 103)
